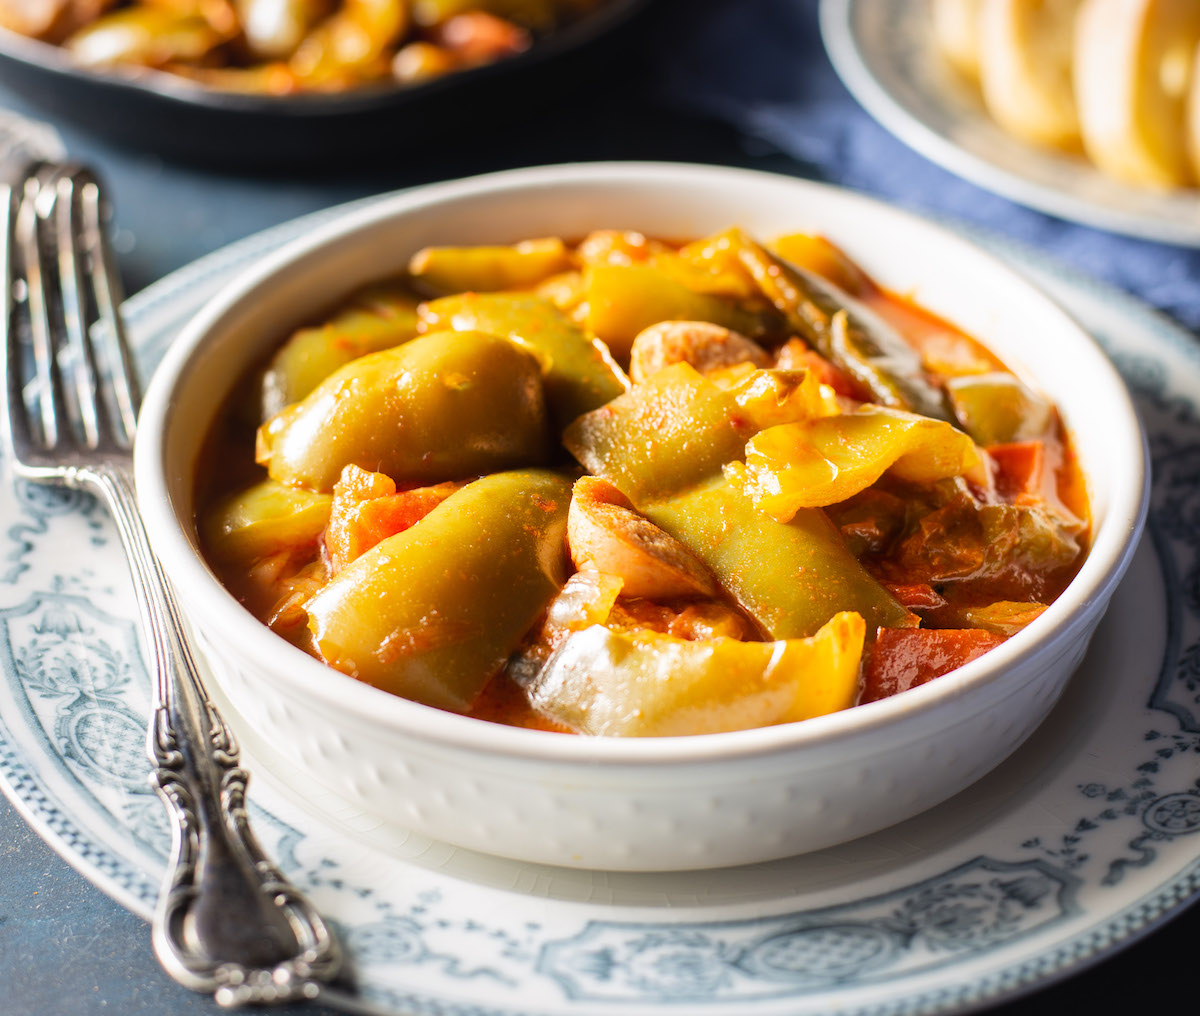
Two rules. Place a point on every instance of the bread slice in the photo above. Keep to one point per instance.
(1134, 62)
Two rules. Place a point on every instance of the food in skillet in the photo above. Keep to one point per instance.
(630, 487)
(286, 46)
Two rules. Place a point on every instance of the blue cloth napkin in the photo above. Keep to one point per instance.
(760, 66)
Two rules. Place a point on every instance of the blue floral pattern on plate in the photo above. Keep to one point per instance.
(1057, 856)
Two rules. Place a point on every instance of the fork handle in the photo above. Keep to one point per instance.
(227, 921)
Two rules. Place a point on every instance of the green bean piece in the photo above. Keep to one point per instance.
(265, 519)
(996, 408)
(433, 613)
(623, 300)
(441, 407)
(579, 375)
(487, 269)
(844, 331)
(377, 317)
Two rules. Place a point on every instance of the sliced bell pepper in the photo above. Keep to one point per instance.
(432, 613)
(646, 684)
(487, 269)
(263, 520)
(790, 577)
(664, 444)
(579, 375)
(1004, 617)
(378, 317)
(817, 255)
(622, 300)
(997, 408)
(674, 430)
(815, 463)
(709, 265)
(441, 407)
(769, 398)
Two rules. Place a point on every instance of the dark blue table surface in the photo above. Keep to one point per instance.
(742, 83)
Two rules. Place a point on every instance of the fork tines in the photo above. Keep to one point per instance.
(70, 382)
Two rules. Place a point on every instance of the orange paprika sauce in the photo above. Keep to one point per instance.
(929, 549)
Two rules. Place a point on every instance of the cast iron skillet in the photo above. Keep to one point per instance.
(178, 119)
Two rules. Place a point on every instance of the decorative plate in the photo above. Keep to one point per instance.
(885, 55)
(1084, 839)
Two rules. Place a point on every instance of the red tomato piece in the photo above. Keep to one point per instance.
(916, 596)
(1020, 469)
(904, 658)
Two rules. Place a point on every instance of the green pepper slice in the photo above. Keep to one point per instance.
(441, 407)
(674, 430)
(818, 462)
(487, 269)
(647, 684)
(579, 374)
(996, 408)
(264, 519)
(663, 445)
(623, 300)
(433, 612)
(377, 317)
(791, 577)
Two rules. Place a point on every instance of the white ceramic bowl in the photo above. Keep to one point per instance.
(638, 804)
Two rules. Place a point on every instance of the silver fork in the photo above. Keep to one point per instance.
(227, 922)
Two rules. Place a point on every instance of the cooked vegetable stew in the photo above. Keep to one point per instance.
(285, 46)
(632, 487)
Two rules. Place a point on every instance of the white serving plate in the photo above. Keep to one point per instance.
(1083, 840)
(885, 55)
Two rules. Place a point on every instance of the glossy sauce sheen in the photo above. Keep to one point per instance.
(927, 549)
